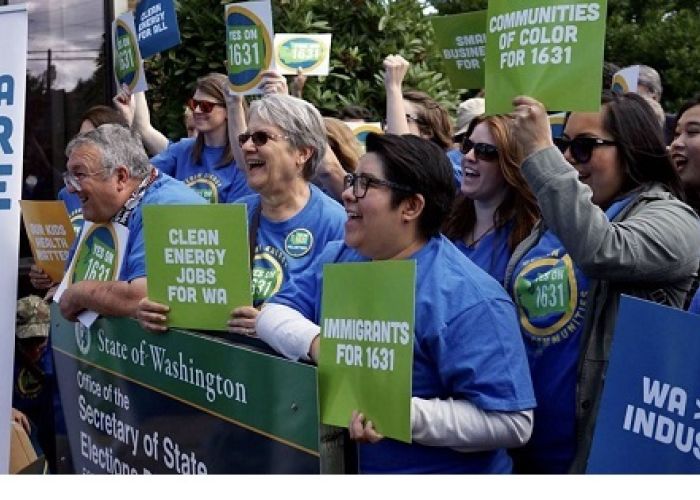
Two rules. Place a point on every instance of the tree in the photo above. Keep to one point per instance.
(364, 32)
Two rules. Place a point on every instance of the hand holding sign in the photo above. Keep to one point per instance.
(362, 431)
(531, 130)
(152, 315)
(273, 83)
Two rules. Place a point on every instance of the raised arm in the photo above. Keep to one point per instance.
(395, 69)
(134, 109)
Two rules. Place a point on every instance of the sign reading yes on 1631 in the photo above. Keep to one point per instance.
(197, 262)
(366, 359)
(462, 42)
(551, 50)
(128, 65)
(249, 47)
(310, 53)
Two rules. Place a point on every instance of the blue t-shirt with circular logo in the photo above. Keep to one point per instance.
(216, 183)
(551, 295)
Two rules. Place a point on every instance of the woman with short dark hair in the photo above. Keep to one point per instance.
(471, 390)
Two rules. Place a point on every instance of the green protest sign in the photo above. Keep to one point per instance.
(462, 43)
(197, 262)
(366, 358)
(551, 50)
(128, 65)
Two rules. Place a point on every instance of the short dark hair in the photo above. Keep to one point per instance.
(422, 166)
(433, 119)
(633, 125)
(690, 103)
(101, 114)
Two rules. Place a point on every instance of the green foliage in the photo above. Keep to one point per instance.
(447, 7)
(364, 32)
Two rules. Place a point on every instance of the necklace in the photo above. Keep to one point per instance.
(477, 240)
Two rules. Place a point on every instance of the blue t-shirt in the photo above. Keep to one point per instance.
(466, 346)
(74, 208)
(455, 157)
(491, 253)
(551, 295)
(214, 182)
(695, 304)
(286, 248)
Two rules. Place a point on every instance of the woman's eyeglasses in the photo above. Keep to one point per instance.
(482, 151)
(581, 148)
(204, 106)
(259, 138)
(361, 183)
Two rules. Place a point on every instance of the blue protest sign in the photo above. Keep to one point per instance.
(156, 25)
(650, 408)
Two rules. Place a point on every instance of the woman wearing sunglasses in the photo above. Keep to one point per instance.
(612, 223)
(471, 389)
(206, 163)
(496, 209)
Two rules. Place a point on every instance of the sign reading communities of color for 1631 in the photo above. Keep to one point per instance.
(551, 50)
(366, 358)
(197, 262)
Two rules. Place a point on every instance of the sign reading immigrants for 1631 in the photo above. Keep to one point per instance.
(551, 50)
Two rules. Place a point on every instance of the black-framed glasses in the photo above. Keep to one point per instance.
(482, 151)
(581, 148)
(361, 183)
(259, 138)
(414, 118)
(204, 106)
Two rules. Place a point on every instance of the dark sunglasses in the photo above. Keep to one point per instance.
(361, 183)
(204, 106)
(482, 151)
(581, 148)
(259, 138)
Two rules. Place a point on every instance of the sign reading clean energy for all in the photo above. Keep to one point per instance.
(550, 50)
(249, 35)
(197, 262)
(306, 52)
(128, 65)
(649, 417)
(462, 42)
(156, 21)
(366, 358)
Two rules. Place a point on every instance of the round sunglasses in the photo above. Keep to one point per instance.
(482, 151)
(581, 148)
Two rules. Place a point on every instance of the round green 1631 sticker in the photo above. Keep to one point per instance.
(97, 256)
(126, 65)
(248, 48)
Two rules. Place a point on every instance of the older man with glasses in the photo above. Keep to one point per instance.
(109, 171)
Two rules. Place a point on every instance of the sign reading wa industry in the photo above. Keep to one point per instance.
(197, 262)
(649, 417)
(156, 23)
(128, 65)
(249, 36)
(366, 358)
(551, 50)
(462, 42)
(181, 403)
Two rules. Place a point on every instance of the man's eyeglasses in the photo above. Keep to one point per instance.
(482, 151)
(361, 183)
(581, 148)
(204, 106)
(75, 180)
(259, 138)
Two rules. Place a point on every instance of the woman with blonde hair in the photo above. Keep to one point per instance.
(341, 158)
(496, 209)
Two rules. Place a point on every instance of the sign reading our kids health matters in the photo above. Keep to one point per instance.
(156, 21)
(249, 44)
(366, 358)
(462, 42)
(197, 262)
(649, 417)
(310, 53)
(551, 50)
(50, 234)
(98, 256)
(128, 65)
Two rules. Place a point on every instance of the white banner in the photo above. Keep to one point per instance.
(13, 73)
